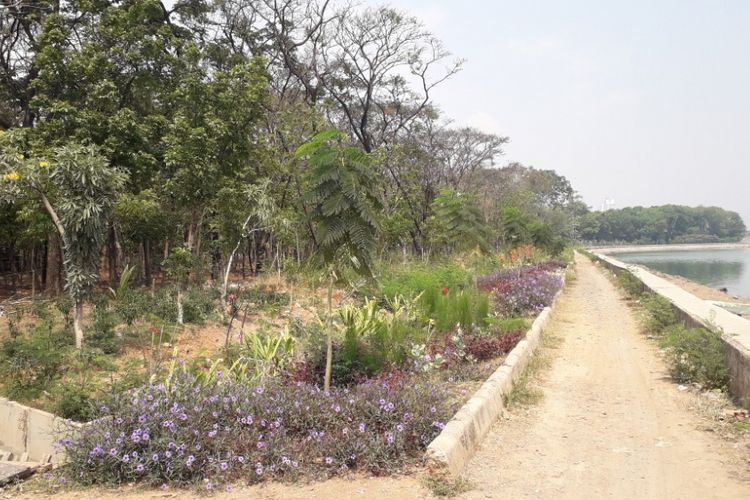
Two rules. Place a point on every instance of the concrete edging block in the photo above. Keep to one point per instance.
(451, 450)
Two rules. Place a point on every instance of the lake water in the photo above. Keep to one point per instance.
(715, 268)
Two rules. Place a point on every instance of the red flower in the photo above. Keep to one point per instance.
(444, 291)
(232, 297)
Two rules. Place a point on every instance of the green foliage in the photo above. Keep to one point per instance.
(414, 278)
(74, 402)
(661, 313)
(632, 285)
(467, 308)
(663, 224)
(102, 333)
(30, 362)
(199, 304)
(696, 355)
(457, 222)
(345, 203)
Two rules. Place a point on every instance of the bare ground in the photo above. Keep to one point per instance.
(611, 424)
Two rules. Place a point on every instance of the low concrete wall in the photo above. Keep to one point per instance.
(30, 434)
(735, 330)
(451, 450)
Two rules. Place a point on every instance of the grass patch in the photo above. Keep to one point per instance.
(525, 392)
(446, 488)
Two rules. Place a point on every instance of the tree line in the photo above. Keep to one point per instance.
(662, 224)
(193, 139)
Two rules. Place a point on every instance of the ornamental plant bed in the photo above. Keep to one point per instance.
(212, 426)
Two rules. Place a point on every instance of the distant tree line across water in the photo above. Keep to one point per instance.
(662, 224)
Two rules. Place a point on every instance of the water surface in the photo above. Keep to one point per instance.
(715, 268)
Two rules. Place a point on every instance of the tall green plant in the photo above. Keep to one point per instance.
(345, 208)
(77, 188)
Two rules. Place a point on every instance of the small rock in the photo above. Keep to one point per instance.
(682, 388)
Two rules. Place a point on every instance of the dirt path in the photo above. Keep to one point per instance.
(610, 425)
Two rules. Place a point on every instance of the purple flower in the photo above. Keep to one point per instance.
(400, 428)
(361, 428)
(113, 452)
(126, 458)
(224, 466)
(229, 488)
(190, 460)
(258, 390)
(139, 468)
(329, 460)
(155, 457)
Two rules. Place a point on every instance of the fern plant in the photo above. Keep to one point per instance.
(345, 206)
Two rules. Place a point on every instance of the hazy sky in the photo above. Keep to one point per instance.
(646, 102)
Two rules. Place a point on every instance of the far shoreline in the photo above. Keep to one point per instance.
(668, 247)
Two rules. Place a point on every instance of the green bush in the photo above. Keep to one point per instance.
(412, 279)
(133, 304)
(199, 304)
(696, 355)
(661, 313)
(73, 402)
(30, 363)
(101, 333)
(632, 285)
(465, 307)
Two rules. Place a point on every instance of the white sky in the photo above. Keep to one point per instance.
(646, 102)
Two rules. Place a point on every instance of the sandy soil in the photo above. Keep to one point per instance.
(611, 424)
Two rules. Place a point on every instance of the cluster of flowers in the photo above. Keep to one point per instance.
(523, 290)
(188, 433)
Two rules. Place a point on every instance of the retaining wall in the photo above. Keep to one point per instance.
(30, 434)
(696, 312)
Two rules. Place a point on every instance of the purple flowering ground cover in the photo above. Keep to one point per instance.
(524, 290)
(223, 432)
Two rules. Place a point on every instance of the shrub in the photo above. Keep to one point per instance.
(101, 334)
(482, 347)
(449, 308)
(416, 278)
(133, 304)
(73, 401)
(696, 355)
(30, 362)
(186, 432)
(661, 313)
(632, 285)
(524, 290)
(199, 304)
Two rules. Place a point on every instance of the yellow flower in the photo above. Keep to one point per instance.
(44, 164)
(11, 177)
(20, 157)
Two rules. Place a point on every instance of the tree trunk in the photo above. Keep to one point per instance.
(54, 256)
(114, 277)
(147, 263)
(78, 322)
(329, 336)
(180, 312)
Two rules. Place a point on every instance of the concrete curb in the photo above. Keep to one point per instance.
(451, 450)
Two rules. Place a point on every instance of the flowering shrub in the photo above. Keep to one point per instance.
(524, 290)
(188, 432)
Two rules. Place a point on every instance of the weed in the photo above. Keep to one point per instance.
(696, 355)
(447, 488)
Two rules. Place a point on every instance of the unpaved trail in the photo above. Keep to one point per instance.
(610, 425)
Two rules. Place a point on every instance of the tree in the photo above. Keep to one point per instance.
(345, 209)
(457, 222)
(78, 189)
